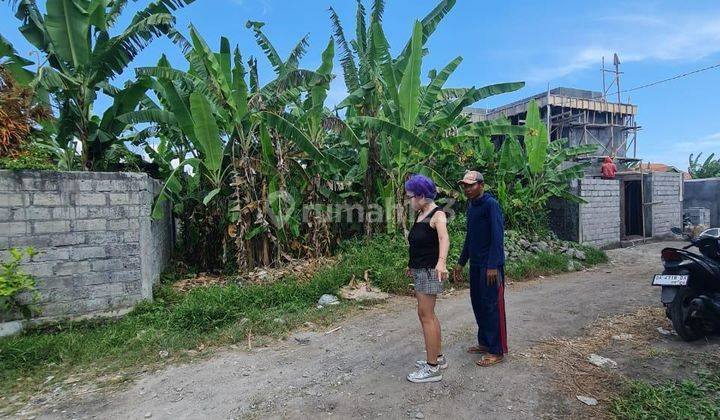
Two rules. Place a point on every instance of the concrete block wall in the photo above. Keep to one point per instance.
(600, 215)
(563, 215)
(667, 203)
(698, 215)
(100, 251)
(704, 193)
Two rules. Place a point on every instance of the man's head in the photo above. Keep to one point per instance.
(473, 184)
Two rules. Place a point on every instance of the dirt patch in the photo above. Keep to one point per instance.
(639, 345)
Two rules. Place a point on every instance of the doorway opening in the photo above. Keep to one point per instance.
(633, 219)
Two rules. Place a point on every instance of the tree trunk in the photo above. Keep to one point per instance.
(370, 183)
(83, 135)
(402, 216)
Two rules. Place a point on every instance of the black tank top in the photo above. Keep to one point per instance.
(424, 243)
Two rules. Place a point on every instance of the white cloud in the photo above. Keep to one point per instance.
(264, 4)
(636, 19)
(678, 154)
(710, 142)
(636, 38)
(585, 58)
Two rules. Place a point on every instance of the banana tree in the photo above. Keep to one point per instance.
(710, 168)
(525, 179)
(311, 123)
(420, 122)
(81, 57)
(298, 139)
(197, 116)
(241, 176)
(363, 75)
(14, 63)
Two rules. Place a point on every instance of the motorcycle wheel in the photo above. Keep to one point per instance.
(688, 329)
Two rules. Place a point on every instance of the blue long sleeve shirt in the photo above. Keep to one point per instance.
(485, 233)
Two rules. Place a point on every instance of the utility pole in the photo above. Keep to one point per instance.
(604, 91)
(547, 112)
(616, 61)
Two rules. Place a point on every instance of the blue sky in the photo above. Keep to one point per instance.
(559, 43)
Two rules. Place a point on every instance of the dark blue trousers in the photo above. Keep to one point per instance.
(488, 303)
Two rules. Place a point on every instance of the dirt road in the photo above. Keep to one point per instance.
(359, 370)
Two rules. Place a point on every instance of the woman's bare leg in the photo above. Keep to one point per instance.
(430, 326)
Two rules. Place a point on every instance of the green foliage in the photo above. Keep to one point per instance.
(689, 399)
(250, 155)
(541, 264)
(14, 63)
(65, 156)
(710, 168)
(14, 283)
(81, 57)
(525, 179)
(549, 263)
(31, 157)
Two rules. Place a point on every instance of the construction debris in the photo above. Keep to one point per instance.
(587, 400)
(622, 337)
(201, 280)
(363, 290)
(328, 300)
(663, 331)
(601, 361)
(301, 270)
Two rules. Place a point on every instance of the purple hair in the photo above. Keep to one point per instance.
(422, 186)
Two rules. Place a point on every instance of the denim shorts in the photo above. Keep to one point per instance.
(426, 281)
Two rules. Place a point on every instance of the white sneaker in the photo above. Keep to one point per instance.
(441, 362)
(426, 373)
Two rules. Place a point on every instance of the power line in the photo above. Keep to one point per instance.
(668, 79)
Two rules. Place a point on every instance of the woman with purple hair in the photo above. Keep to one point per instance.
(429, 243)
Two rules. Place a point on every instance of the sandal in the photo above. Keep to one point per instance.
(489, 361)
(478, 350)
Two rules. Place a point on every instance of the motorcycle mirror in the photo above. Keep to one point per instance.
(676, 230)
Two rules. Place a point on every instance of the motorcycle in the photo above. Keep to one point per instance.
(691, 285)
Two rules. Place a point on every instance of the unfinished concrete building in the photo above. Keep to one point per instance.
(637, 204)
(702, 197)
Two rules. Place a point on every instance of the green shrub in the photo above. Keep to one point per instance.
(541, 264)
(593, 256)
(14, 283)
(31, 157)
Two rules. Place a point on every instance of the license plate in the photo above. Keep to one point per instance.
(670, 280)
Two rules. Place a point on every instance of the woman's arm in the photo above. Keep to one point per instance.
(439, 223)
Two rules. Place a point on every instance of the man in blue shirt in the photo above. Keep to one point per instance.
(484, 249)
